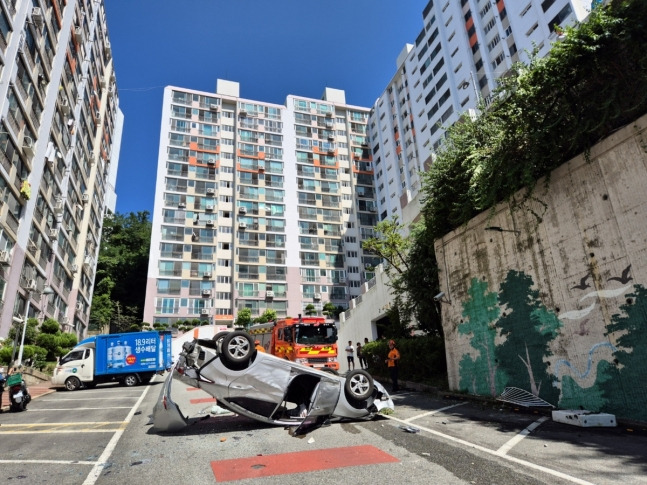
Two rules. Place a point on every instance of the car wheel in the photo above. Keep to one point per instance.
(130, 380)
(218, 338)
(72, 384)
(237, 349)
(358, 385)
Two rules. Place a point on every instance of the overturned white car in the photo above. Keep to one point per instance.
(266, 388)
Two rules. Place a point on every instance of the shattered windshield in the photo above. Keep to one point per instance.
(316, 334)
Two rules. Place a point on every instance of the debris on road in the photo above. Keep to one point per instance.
(409, 429)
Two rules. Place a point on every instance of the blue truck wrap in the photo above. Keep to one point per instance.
(130, 358)
(132, 352)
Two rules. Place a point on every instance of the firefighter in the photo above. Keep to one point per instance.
(259, 347)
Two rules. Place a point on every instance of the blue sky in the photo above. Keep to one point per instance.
(273, 48)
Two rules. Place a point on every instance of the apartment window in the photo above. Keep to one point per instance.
(546, 4)
(532, 29)
(560, 17)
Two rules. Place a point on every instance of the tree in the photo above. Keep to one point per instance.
(122, 270)
(243, 318)
(411, 267)
(310, 309)
(329, 309)
(268, 315)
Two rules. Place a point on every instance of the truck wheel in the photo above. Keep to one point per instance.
(72, 384)
(358, 385)
(237, 350)
(218, 338)
(130, 380)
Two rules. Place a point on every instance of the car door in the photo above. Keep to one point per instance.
(322, 404)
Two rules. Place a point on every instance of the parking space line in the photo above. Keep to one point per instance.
(489, 451)
(74, 423)
(103, 459)
(435, 411)
(46, 462)
(61, 431)
(33, 410)
(512, 442)
(84, 399)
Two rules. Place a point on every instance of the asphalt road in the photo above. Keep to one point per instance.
(103, 436)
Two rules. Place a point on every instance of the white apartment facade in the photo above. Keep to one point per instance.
(59, 150)
(258, 206)
(461, 51)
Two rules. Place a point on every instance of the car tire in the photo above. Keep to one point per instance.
(130, 380)
(358, 386)
(237, 350)
(218, 338)
(72, 384)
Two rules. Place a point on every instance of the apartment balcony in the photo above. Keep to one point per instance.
(312, 246)
(279, 261)
(248, 242)
(271, 228)
(171, 254)
(248, 276)
(175, 272)
(248, 259)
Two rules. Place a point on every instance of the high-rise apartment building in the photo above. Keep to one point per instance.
(461, 51)
(59, 141)
(258, 205)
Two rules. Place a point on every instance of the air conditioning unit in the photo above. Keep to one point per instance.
(5, 257)
(59, 206)
(97, 115)
(85, 197)
(209, 207)
(342, 279)
(181, 205)
(28, 145)
(65, 106)
(206, 274)
(204, 311)
(269, 294)
(106, 50)
(368, 266)
(64, 321)
(211, 161)
(261, 168)
(209, 223)
(331, 136)
(211, 191)
(206, 292)
(242, 225)
(213, 107)
(317, 296)
(31, 285)
(53, 233)
(78, 34)
(242, 113)
(242, 210)
(37, 17)
(79, 306)
(329, 114)
(331, 150)
(74, 268)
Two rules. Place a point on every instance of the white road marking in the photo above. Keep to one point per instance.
(435, 411)
(47, 462)
(101, 462)
(31, 410)
(511, 443)
(62, 431)
(83, 399)
(489, 451)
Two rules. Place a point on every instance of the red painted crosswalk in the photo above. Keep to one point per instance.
(298, 462)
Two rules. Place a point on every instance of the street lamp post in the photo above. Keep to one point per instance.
(46, 291)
